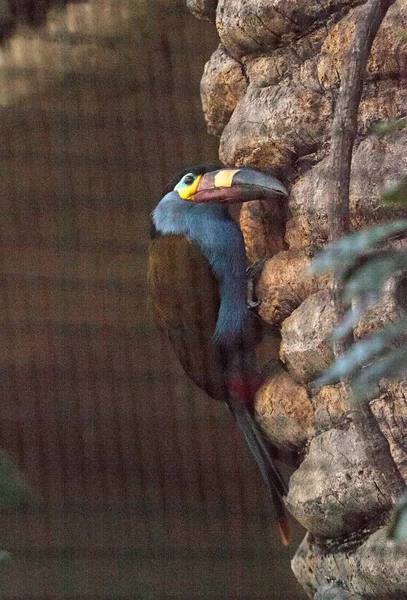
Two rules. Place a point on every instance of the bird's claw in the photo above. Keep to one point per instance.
(251, 295)
(253, 273)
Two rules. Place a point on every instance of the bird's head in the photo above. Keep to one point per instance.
(205, 185)
(205, 190)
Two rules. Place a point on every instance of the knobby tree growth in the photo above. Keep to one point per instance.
(299, 88)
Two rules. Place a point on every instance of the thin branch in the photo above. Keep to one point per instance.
(345, 122)
(344, 131)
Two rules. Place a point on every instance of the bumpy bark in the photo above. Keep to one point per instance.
(203, 9)
(269, 91)
(284, 285)
(286, 422)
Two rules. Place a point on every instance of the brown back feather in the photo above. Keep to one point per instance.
(185, 301)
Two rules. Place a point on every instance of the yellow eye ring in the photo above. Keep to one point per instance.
(187, 191)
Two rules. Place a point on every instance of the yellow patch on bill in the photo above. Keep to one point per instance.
(224, 178)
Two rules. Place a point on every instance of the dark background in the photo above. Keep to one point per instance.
(141, 487)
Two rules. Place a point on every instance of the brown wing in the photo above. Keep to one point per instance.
(185, 300)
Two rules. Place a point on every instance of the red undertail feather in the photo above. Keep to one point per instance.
(244, 388)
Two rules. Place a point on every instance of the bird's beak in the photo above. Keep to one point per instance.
(237, 185)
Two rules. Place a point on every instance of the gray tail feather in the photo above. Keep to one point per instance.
(275, 483)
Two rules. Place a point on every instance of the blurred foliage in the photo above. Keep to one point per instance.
(4, 555)
(397, 529)
(388, 127)
(362, 268)
(397, 194)
(14, 489)
(363, 263)
(13, 486)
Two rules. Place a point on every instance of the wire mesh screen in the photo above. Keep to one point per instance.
(139, 485)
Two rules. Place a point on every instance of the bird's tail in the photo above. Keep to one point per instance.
(271, 475)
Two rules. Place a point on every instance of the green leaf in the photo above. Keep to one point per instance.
(392, 365)
(5, 556)
(13, 486)
(399, 533)
(343, 253)
(388, 127)
(362, 352)
(397, 194)
(348, 321)
(353, 315)
(372, 275)
(397, 530)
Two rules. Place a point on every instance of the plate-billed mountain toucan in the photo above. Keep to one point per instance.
(198, 291)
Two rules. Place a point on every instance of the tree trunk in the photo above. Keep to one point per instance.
(269, 92)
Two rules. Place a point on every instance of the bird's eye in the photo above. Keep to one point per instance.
(187, 186)
(189, 179)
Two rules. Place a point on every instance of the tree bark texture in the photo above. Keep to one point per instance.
(279, 92)
(337, 185)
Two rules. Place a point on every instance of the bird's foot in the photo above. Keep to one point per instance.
(253, 273)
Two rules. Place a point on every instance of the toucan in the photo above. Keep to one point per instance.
(198, 293)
